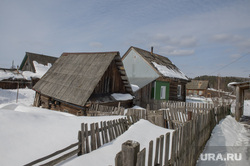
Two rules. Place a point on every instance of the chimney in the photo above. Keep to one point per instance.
(152, 49)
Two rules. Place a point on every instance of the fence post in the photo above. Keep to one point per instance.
(80, 143)
(190, 115)
(150, 153)
(118, 159)
(129, 153)
(141, 158)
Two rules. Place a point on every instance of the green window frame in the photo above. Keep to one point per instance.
(161, 90)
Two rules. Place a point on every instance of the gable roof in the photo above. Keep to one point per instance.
(161, 64)
(39, 58)
(198, 84)
(74, 76)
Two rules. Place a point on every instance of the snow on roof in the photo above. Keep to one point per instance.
(40, 71)
(169, 72)
(121, 96)
(8, 74)
(134, 87)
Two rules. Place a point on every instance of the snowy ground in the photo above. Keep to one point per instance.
(228, 137)
(142, 132)
(28, 133)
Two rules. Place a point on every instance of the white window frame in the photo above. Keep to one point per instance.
(163, 92)
(179, 91)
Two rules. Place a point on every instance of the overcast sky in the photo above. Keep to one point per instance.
(202, 37)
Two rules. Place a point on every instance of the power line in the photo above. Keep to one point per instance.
(229, 63)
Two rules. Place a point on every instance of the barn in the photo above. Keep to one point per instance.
(155, 76)
(77, 80)
(34, 66)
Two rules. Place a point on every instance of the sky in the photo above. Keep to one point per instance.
(201, 37)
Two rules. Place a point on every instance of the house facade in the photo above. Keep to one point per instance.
(77, 80)
(156, 77)
(198, 88)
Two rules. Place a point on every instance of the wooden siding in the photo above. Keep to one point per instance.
(144, 95)
(110, 82)
(50, 103)
(14, 84)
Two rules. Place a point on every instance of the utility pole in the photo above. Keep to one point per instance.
(219, 85)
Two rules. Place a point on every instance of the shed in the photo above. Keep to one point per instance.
(156, 77)
(12, 79)
(78, 79)
(198, 88)
(240, 87)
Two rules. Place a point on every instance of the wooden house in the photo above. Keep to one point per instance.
(76, 80)
(31, 58)
(157, 78)
(198, 88)
(12, 79)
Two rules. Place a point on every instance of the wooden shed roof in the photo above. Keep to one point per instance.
(74, 76)
(39, 58)
(160, 60)
(198, 84)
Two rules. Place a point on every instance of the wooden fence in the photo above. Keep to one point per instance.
(89, 139)
(102, 110)
(188, 140)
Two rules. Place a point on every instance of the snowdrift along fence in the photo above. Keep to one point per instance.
(173, 113)
(89, 139)
(188, 140)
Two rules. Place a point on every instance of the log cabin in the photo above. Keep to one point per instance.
(155, 76)
(77, 80)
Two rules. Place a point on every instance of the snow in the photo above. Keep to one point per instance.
(169, 72)
(231, 84)
(226, 137)
(9, 75)
(198, 99)
(121, 96)
(28, 133)
(134, 87)
(138, 132)
(25, 96)
(40, 71)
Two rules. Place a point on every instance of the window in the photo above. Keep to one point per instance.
(179, 91)
(200, 92)
(163, 92)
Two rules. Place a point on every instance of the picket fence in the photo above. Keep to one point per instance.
(102, 110)
(89, 140)
(188, 139)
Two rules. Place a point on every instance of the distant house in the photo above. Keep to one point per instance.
(12, 79)
(76, 80)
(198, 88)
(34, 66)
(155, 77)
